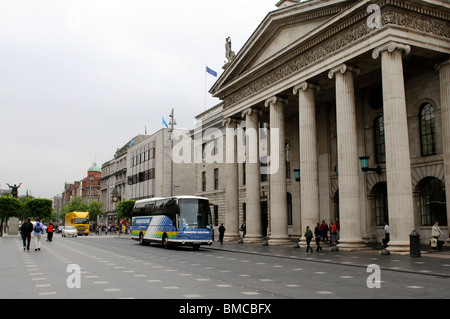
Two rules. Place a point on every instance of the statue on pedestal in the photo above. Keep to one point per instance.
(14, 189)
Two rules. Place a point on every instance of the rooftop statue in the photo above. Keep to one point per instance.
(229, 54)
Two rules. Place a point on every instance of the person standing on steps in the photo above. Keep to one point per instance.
(317, 234)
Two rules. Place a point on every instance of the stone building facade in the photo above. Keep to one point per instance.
(336, 82)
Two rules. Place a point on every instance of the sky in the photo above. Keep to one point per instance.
(80, 78)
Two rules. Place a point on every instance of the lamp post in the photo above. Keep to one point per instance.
(365, 165)
(297, 175)
(172, 123)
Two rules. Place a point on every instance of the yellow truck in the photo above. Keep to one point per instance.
(80, 220)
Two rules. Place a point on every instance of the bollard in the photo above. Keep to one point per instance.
(414, 244)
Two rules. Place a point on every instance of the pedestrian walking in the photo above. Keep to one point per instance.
(317, 234)
(435, 233)
(221, 233)
(309, 237)
(243, 229)
(38, 232)
(50, 232)
(26, 230)
(387, 235)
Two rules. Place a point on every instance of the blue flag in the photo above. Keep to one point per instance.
(164, 122)
(212, 72)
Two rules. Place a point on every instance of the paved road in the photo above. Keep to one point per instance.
(120, 268)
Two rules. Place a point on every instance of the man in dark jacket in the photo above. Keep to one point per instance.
(26, 230)
(221, 233)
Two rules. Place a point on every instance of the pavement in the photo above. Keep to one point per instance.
(432, 262)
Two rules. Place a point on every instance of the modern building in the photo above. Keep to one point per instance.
(154, 172)
(339, 84)
(145, 168)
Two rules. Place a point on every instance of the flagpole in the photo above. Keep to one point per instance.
(205, 84)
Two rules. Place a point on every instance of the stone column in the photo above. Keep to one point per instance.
(252, 177)
(277, 172)
(309, 180)
(231, 183)
(444, 77)
(398, 165)
(348, 160)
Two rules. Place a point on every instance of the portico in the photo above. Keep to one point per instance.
(331, 89)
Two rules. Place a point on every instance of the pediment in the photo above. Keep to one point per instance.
(284, 38)
(277, 33)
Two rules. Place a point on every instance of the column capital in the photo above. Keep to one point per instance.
(342, 68)
(391, 47)
(274, 100)
(249, 111)
(439, 66)
(229, 120)
(305, 86)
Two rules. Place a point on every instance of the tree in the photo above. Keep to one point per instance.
(76, 204)
(40, 208)
(95, 209)
(125, 209)
(80, 204)
(9, 207)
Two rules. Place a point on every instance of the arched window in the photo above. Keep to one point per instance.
(381, 203)
(288, 159)
(427, 130)
(432, 202)
(380, 149)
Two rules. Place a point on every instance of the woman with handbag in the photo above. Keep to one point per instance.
(435, 233)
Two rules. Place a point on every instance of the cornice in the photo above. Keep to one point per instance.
(337, 36)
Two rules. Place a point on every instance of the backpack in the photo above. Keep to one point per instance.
(38, 228)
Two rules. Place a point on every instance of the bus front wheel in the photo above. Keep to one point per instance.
(141, 239)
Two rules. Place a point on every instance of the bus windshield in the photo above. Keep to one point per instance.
(82, 220)
(194, 213)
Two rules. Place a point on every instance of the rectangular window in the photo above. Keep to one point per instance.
(216, 178)
(203, 181)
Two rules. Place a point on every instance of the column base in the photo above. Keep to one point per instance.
(231, 237)
(252, 239)
(398, 248)
(351, 245)
(279, 241)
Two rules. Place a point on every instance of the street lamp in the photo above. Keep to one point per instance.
(297, 175)
(365, 165)
(172, 123)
